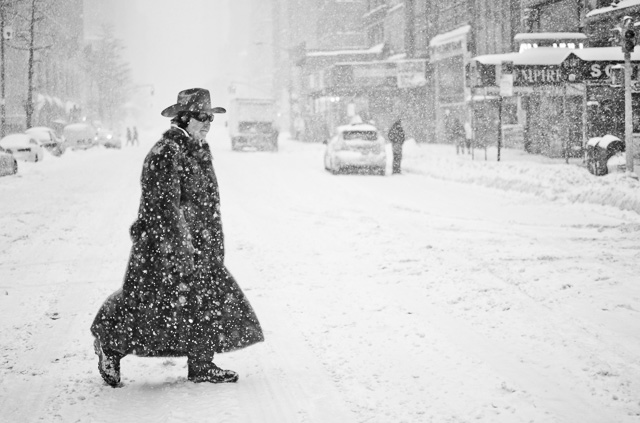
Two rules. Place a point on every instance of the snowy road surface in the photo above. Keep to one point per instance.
(402, 298)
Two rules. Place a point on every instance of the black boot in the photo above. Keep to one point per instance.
(207, 371)
(108, 364)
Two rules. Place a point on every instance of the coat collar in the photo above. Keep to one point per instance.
(183, 139)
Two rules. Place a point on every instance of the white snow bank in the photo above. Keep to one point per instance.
(552, 179)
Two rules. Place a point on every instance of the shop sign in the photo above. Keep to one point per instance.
(601, 71)
(411, 73)
(538, 75)
(506, 85)
(448, 49)
(374, 74)
(448, 44)
(506, 79)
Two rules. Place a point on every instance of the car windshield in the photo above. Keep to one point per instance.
(262, 127)
(360, 135)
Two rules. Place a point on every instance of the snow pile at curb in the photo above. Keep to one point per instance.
(519, 171)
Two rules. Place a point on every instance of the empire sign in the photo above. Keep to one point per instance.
(539, 75)
(593, 72)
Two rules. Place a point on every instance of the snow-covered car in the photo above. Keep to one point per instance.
(109, 139)
(358, 147)
(8, 163)
(80, 136)
(48, 138)
(23, 147)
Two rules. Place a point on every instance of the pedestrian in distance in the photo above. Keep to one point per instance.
(468, 135)
(178, 298)
(396, 136)
(134, 138)
(454, 131)
(129, 136)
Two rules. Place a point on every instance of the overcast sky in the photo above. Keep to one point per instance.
(175, 45)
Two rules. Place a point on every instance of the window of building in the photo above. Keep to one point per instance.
(560, 16)
(376, 34)
(451, 14)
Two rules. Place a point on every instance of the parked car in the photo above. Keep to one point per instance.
(109, 139)
(359, 147)
(48, 138)
(80, 136)
(23, 147)
(8, 163)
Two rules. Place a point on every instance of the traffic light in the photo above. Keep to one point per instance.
(629, 35)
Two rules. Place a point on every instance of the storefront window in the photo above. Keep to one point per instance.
(510, 111)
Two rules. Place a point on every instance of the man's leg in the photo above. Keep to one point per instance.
(202, 369)
(108, 363)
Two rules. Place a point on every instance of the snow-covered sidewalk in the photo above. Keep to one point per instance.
(550, 178)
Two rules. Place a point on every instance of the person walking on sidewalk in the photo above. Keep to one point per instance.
(454, 131)
(396, 136)
(178, 298)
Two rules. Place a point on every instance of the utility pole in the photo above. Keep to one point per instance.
(628, 41)
(628, 112)
(3, 98)
(506, 90)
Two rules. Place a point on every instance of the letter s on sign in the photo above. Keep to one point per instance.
(595, 71)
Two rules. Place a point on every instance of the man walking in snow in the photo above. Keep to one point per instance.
(396, 136)
(178, 298)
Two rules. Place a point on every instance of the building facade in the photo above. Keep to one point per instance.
(423, 59)
(60, 86)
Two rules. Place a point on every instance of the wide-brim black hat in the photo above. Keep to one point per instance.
(192, 100)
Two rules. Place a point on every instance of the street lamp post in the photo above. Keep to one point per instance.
(3, 101)
(626, 36)
(628, 112)
(629, 39)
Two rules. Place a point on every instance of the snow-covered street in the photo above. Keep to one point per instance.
(421, 297)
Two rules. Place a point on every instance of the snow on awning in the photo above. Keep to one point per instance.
(489, 97)
(549, 56)
(622, 5)
(607, 54)
(549, 36)
(377, 49)
(542, 56)
(446, 37)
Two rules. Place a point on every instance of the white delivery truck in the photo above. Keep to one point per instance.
(252, 124)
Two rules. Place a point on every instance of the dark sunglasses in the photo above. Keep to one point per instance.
(203, 117)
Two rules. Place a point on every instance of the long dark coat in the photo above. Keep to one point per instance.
(160, 311)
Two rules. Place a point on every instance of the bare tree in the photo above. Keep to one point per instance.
(33, 39)
(7, 12)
